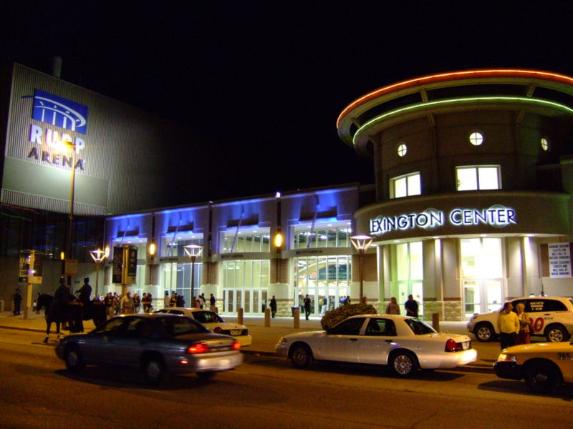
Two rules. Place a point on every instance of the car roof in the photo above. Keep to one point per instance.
(147, 315)
(386, 316)
(192, 309)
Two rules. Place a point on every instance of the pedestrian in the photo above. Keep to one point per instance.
(411, 307)
(179, 301)
(307, 303)
(116, 304)
(524, 336)
(166, 299)
(136, 302)
(17, 297)
(508, 325)
(173, 299)
(347, 300)
(393, 307)
(108, 302)
(273, 305)
(84, 296)
(145, 302)
(213, 302)
(127, 304)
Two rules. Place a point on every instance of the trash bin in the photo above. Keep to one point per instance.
(292, 309)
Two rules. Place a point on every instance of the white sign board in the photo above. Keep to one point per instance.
(559, 260)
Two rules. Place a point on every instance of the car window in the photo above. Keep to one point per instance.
(348, 327)
(553, 305)
(418, 327)
(174, 326)
(176, 312)
(207, 317)
(112, 327)
(381, 327)
(133, 327)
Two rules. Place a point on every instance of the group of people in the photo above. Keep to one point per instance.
(411, 306)
(127, 304)
(514, 326)
(178, 300)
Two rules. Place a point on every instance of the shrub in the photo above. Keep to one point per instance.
(333, 317)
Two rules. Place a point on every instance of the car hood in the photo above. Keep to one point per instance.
(564, 347)
(308, 334)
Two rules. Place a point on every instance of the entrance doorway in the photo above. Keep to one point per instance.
(482, 274)
(410, 273)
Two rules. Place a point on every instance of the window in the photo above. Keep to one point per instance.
(322, 234)
(207, 317)
(476, 138)
(348, 327)
(381, 327)
(246, 240)
(419, 328)
(402, 150)
(544, 144)
(478, 177)
(406, 185)
(544, 305)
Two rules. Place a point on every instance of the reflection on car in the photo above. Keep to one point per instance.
(213, 322)
(403, 343)
(158, 344)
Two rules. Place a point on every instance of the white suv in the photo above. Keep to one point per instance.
(551, 317)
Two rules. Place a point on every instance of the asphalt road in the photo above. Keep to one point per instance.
(265, 392)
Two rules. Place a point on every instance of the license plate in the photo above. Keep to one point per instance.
(236, 332)
(466, 345)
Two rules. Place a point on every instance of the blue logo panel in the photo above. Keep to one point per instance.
(60, 112)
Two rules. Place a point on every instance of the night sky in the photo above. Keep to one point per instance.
(260, 84)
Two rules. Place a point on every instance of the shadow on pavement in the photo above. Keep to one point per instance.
(519, 388)
(351, 369)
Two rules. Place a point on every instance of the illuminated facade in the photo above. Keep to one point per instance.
(240, 265)
(473, 181)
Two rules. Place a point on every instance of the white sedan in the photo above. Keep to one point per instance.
(213, 322)
(403, 343)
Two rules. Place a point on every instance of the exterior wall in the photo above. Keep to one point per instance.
(124, 162)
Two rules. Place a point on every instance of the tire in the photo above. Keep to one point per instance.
(301, 356)
(205, 376)
(154, 371)
(484, 332)
(73, 359)
(542, 377)
(403, 363)
(556, 334)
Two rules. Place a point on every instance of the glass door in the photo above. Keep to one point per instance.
(482, 274)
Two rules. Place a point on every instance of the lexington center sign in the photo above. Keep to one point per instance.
(497, 216)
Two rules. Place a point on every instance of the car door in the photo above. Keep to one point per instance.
(96, 347)
(542, 312)
(341, 342)
(125, 345)
(376, 343)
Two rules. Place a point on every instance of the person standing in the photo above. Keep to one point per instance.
(213, 302)
(273, 306)
(166, 300)
(127, 304)
(508, 326)
(17, 297)
(524, 336)
(393, 307)
(307, 306)
(411, 307)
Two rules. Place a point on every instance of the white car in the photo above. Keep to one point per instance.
(213, 322)
(404, 343)
(550, 316)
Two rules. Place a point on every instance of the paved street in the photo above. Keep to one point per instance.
(265, 392)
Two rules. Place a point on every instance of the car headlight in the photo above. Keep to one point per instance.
(506, 357)
(283, 340)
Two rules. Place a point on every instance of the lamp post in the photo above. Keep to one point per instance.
(361, 243)
(193, 251)
(99, 256)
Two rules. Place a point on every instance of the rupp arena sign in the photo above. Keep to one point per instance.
(497, 216)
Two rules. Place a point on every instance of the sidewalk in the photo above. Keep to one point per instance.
(265, 339)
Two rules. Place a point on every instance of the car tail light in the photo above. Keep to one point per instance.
(236, 345)
(197, 348)
(217, 330)
(452, 346)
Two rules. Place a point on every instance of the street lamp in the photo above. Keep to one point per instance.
(361, 243)
(193, 251)
(99, 256)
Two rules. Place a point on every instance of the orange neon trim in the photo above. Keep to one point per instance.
(441, 77)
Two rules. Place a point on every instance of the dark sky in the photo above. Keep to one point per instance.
(261, 83)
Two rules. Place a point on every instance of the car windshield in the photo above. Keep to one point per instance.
(419, 328)
(571, 301)
(207, 317)
(175, 326)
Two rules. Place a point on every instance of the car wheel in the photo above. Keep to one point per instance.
(301, 356)
(204, 376)
(153, 371)
(403, 363)
(73, 359)
(484, 332)
(556, 334)
(542, 377)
